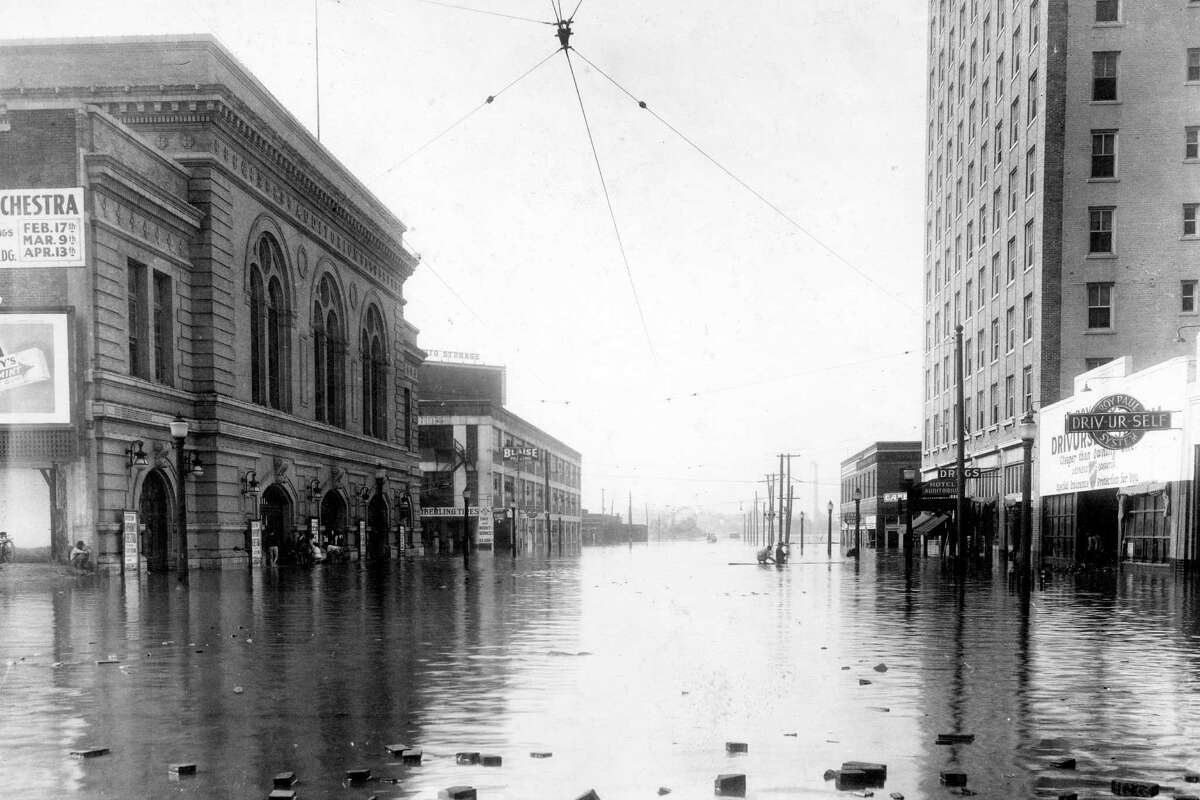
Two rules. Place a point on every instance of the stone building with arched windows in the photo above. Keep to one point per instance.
(233, 276)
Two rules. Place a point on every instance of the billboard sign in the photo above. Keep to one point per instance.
(35, 369)
(41, 228)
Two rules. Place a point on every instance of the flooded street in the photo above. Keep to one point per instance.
(632, 667)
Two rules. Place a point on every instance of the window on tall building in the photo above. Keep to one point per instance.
(970, 239)
(999, 141)
(1100, 230)
(329, 354)
(135, 318)
(269, 352)
(1104, 75)
(162, 319)
(1000, 76)
(1092, 363)
(974, 58)
(971, 127)
(958, 141)
(1191, 142)
(1026, 390)
(1027, 312)
(1189, 218)
(1187, 296)
(1012, 259)
(980, 348)
(980, 410)
(1016, 50)
(1029, 244)
(984, 164)
(958, 197)
(985, 99)
(1030, 171)
(995, 392)
(937, 379)
(373, 355)
(987, 34)
(967, 415)
(1193, 64)
(1035, 23)
(1012, 191)
(1100, 307)
(1104, 154)
(970, 295)
(1031, 106)
(1010, 329)
(982, 284)
(962, 81)
(946, 318)
(957, 253)
(982, 224)
(1107, 10)
(999, 16)
(995, 273)
(995, 338)
(1010, 400)
(1014, 121)
(937, 430)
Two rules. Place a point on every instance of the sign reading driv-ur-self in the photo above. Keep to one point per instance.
(41, 228)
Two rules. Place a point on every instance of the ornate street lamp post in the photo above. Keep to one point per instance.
(466, 544)
(829, 533)
(179, 431)
(857, 501)
(1028, 431)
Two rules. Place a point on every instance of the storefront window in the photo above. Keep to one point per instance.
(1145, 528)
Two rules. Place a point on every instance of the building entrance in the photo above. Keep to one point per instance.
(156, 510)
(377, 527)
(333, 518)
(276, 511)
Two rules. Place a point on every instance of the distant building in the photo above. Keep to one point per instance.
(1061, 214)
(509, 468)
(211, 261)
(874, 472)
(606, 529)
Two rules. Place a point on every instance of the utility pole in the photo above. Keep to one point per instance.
(958, 420)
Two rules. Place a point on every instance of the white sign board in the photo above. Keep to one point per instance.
(41, 228)
(485, 533)
(1074, 462)
(129, 533)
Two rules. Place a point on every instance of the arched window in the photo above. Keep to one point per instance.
(329, 354)
(374, 375)
(269, 340)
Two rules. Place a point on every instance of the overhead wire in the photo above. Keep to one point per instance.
(608, 200)
(482, 11)
(488, 101)
(783, 214)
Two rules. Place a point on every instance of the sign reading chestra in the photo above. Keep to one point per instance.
(41, 228)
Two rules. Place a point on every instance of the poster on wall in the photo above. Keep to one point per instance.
(1127, 434)
(41, 228)
(34, 369)
(485, 535)
(129, 533)
(256, 544)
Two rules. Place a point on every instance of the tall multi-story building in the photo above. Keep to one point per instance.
(488, 469)
(217, 341)
(874, 473)
(1061, 218)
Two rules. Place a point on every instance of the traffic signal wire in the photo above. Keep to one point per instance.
(487, 101)
(608, 200)
(787, 217)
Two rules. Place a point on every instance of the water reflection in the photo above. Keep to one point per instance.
(633, 667)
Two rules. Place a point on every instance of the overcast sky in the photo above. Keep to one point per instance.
(758, 337)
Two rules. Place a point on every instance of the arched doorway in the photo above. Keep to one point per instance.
(377, 524)
(276, 512)
(333, 518)
(156, 510)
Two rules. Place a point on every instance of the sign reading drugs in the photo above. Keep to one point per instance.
(1121, 439)
(41, 228)
(35, 370)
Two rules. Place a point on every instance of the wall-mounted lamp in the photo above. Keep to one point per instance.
(380, 474)
(135, 456)
(192, 464)
(1179, 333)
(250, 483)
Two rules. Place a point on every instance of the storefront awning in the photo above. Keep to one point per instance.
(925, 524)
(1148, 487)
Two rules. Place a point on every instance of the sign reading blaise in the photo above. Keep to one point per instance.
(1117, 422)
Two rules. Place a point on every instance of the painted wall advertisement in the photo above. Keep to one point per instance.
(34, 369)
(1124, 431)
(41, 228)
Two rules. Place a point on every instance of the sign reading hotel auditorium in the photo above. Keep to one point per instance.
(41, 228)
(34, 369)
(1086, 444)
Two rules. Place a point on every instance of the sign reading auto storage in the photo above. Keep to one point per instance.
(1120, 439)
(41, 228)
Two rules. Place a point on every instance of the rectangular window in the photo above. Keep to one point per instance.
(139, 334)
(987, 34)
(1010, 329)
(995, 403)
(937, 430)
(1104, 154)
(162, 319)
(946, 318)
(999, 140)
(1010, 400)
(1012, 191)
(1187, 296)
(1026, 390)
(970, 238)
(1104, 76)
(937, 378)
(958, 141)
(971, 127)
(962, 81)
(1029, 241)
(1014, 121)
(982, 286)
(1027, 311)
(1000, 76)
(1189, 219)
(995, 339)
(999, 16)
(979, 410)
(984, 164)
(995, 274)
(974, 58)
(982, 224)
(1016, 50)
(1035, 24)
(958, 197)
(1106, 10)
(1100, 311)
(1100, 227)
(1193, 64)
(970, 299)
(985, 99)
(1191, 142)
(1030, 171)
(1012, 258)
(967, 416)
(1031, 100)
(981, 353)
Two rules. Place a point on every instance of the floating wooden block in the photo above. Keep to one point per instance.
(1068, 796)
(1066, 763)
(1134, 788)
(1185, 797)
(411, 755)
(1191, 778)
(876, 773)
(955, 738)
(848, 779)
(281, 794)
(492, 761)
(358, 774)
(457, 793)
(284, 780)
(466, 758)
(395, 749)
(590, 794)
(896, 796)
(387, 779)
(730, 785)
(90, 752)
(951, 778)
(737, 747)
(182, 769)
(540, 755)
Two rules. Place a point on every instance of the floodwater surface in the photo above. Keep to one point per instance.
(631, 667)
